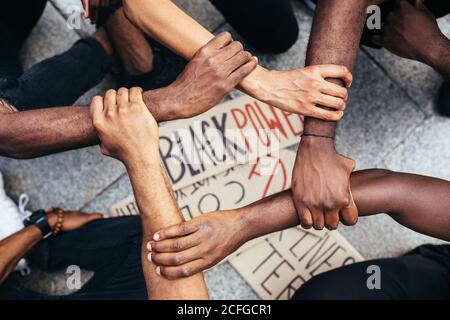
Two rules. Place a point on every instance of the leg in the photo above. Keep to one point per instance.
(269, 25)
(110, 248)
(59, 80)
(422, 274)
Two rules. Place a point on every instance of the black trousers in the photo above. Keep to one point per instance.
(56, 81)
(268, 25)
(422, 274)
(109, 247)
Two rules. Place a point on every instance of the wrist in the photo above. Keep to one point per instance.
(245, 226)
(142, 161)
(441, 48)
(313, 142)
(253, 84)
(162, 103)
(52, 218)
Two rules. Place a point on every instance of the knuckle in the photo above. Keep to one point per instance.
(186, 271)
(340, 103)
(176, 245)
(344, 201)
(239, 46)
(202, 52)
(247, 55)
(329, 205)
(184, 228)
(206, 227)
(209, 61)
(222, 87)
(176, 260)
(226, 35)
(314, 69)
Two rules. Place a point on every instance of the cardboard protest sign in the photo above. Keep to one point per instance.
(232, 156)
(276, 267)
(235, 132)
(234, 188)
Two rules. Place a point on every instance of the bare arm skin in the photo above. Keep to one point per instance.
(213, 72)
(411, 32)
(298, 90)
(320, 180)
(17, 245)
(40, 132)
(129, 133)
(417, 202)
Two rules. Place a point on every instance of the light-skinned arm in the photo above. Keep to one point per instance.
(299, 90)
(129, 133)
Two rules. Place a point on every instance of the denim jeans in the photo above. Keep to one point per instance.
(57, 81)
(109, 247)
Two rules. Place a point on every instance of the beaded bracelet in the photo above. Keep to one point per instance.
(59, 219)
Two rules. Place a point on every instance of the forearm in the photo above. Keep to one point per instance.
(35, 133)
(417, 202)
(158, 210)
(439, 58)
(335, 36)
(29, 134)
(15, 247)
(171, 26)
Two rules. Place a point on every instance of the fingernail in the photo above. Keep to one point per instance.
(256, 58)
(149, 246)
(149, 257)
(156, 236)
(158, 271)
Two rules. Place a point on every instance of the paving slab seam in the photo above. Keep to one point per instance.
(380, 66)
(98, 194)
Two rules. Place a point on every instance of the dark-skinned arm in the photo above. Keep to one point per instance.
(129, 133)
(412, 32)
(417, 202)
(212, 73)
(298, 91)
(320, 179)
(17, 245)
